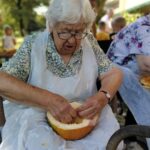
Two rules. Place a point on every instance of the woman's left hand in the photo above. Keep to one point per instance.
(143, 63)
(92, 106)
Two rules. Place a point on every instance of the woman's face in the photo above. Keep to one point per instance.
(8, 31)
(67, 37)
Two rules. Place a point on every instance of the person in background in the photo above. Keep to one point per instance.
(8, 44)
(117, 24)
(102, 34)
(52, 69)
(107, 19)
(131, 51)
(8, 40)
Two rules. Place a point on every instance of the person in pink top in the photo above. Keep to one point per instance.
(131, 51)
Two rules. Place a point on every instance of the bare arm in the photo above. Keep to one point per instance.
(14, 41)
(110, 82)
(22, 92)
(3, 43)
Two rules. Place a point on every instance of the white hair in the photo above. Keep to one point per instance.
(70, 11)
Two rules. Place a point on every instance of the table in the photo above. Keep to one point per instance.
(7, 54)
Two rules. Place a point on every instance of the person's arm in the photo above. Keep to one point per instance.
(110, 83)
(13, 77)
(18, 91)
(14, 40)
(143, 63)
(3, 42)
(111, 78)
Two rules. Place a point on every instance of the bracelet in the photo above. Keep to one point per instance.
(107, 95)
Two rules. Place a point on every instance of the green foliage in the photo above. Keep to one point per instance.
(19, 13)
(131, 17)
(100, 7)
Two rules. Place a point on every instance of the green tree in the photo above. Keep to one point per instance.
(20, 12)
(98, 5)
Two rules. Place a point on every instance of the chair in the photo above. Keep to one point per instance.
(104, 45)
(2, 117)
(127, 131)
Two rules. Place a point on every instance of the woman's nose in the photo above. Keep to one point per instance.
(72, 39)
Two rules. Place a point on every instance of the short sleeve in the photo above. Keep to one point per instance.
(19, 65)
(143, 45)
(104, 64)
(131, 41)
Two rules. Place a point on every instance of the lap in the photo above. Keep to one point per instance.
(32, 132)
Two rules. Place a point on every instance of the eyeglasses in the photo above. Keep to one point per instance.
(68, 35)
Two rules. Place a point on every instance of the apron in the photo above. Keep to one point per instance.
(26, 128)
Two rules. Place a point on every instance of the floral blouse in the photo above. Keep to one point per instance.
(19, 64)
(131, 40)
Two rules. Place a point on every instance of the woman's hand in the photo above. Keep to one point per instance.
(92, 106)
(30, 95)
(60, 108)
(143, 63)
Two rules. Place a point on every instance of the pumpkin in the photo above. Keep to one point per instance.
(72, 131)
(145, 81)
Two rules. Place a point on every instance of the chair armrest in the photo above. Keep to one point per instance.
(127, 131)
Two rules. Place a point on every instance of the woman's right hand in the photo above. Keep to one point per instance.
(61, 109)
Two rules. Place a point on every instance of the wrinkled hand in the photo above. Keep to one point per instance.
(91, 107)
(61, 109)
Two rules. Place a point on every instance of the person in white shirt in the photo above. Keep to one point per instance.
(8, 40)
(107, 19)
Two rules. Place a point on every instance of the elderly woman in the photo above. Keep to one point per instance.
(52, 69)
(131, 50)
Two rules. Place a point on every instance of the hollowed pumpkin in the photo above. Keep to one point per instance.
(74, 131)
